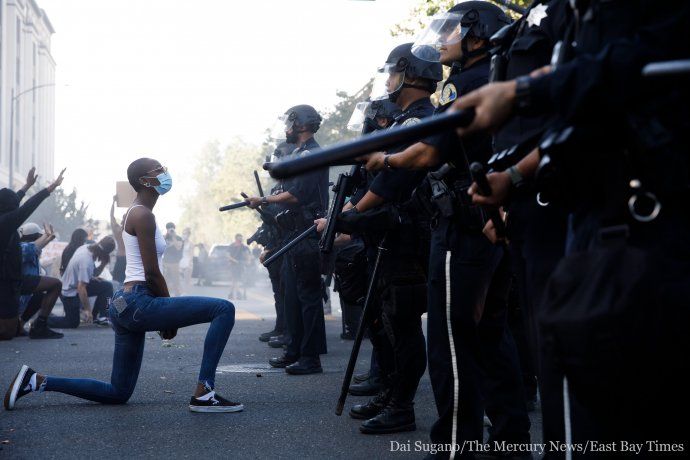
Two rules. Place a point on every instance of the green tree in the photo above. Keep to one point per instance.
(334, 125)
(63, 210)
(220, 176)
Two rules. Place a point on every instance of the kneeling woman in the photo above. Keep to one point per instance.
(145, 305)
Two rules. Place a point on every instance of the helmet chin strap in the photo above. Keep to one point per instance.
(393, 97)
(467, 54)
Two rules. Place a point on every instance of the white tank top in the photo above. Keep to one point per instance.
(135, 267)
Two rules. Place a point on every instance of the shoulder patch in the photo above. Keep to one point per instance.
(448, 95)
(411, 121)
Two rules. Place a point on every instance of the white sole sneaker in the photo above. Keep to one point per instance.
(216, 409)
(11, 395)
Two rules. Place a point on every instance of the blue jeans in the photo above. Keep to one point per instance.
(144, 313)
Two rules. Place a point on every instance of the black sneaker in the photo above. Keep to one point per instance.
(212, 402)
(43, 332)
(19, 387)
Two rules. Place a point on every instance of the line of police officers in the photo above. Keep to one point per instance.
(591, 168)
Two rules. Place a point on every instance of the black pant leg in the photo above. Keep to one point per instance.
(292, 310)
(469, 261)
(505, 400)
(274, 271)
(72, 306)
(103, 290)
(305, 262)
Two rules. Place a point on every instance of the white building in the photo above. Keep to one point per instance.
(27, 74)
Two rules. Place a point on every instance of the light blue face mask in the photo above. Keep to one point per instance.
(165, 181)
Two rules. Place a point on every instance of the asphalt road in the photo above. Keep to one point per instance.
(285, 416)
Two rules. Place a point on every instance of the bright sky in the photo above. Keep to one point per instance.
(161, 78)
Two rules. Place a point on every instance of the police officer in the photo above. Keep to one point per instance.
(618, 299)
(270, 236)
(467, 333)
(535, 229)
(304, 199)
(397, 333)
(369, 116)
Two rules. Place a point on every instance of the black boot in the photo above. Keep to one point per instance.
(369, 387)
(39, 330)
(359, 378)
(282, 361)
(277, 342)
(266, 336)
(394, 418)
(305, 365)
(371, 408)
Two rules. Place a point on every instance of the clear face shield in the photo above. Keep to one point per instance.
(445, 29)
(281, 126)
(387, 81)
(363, 110)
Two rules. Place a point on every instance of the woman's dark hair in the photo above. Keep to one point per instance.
(77, 240)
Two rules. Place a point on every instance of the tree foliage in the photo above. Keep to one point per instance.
(220, 175)
(63, 210)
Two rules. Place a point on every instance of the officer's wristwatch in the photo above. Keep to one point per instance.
(515, 176)
(386, 163)
(264, 200)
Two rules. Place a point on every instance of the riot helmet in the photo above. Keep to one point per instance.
(401, 65)
(474, 18)
(298, 119)
(372, 116)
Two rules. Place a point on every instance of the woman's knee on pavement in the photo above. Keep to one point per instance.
(121, 396)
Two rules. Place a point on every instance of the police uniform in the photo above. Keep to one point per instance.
(614, 314)
(466, 327)
(535, 229)
(396, 333)
(301, 271)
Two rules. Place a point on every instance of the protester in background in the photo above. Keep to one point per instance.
(38, 292)
(118, 271)
(200, 262)
(79, 283)
(12, 215)
(239, 257)
(171, 259)
(186, 261)
(77, 240)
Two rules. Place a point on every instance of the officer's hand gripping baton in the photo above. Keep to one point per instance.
(374, 142)
(343, 188)
(479, 177)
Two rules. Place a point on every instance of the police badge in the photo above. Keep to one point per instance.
(448, 95)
